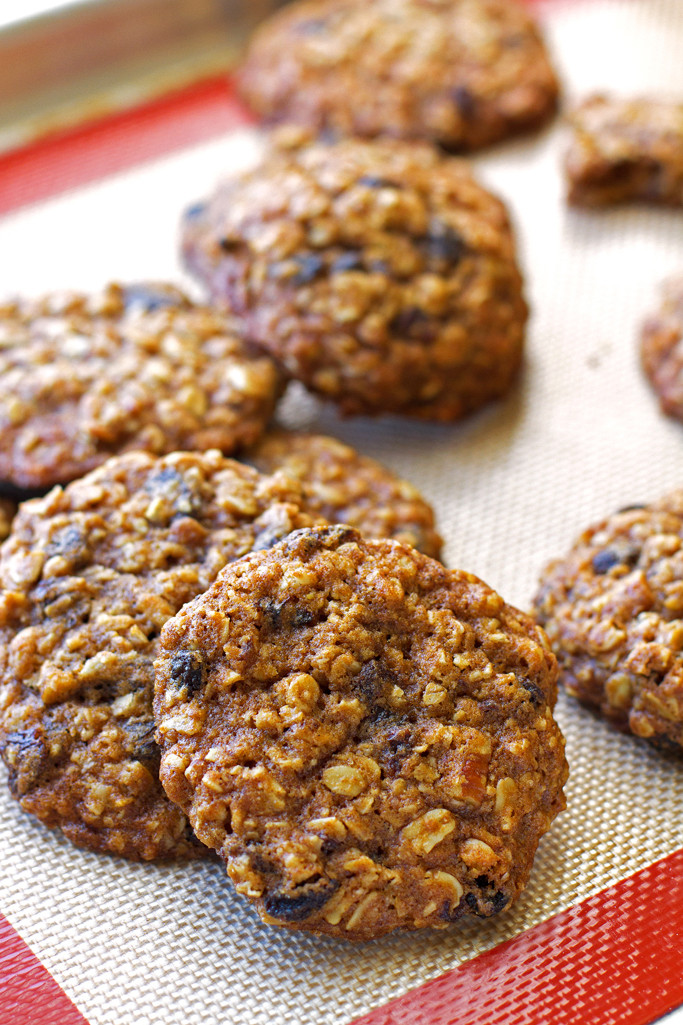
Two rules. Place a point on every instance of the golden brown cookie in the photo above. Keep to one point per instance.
(83, 378)
(624, 150)
(380, 274)
(613, 610)
(342, 486)
(88, 577)
(462, 73)
(365, 737)
(661, 349)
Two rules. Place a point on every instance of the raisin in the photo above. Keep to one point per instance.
(407, 319)
(310, 267)
(443, 243)
(414, 323)
(261, 864)
(398, 746)
(621, 553)
(535, 693)
(347, 262)
(371, 680)
(472, 901)
(306, 541)
(146, 298)
(71, 544)
(188, 671)
(295, 907)
(272, 612)
(143, 747)
(374, 182)
(605, 561)
(25, 755)
(631, 508)
(384, 719)
(172, 486)
(449, 914)
(499, 901)
(329, 846)
(465, 102)
(494, 902)
(281, 617)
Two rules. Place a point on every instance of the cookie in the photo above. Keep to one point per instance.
(342, 486)
(661, 349)
(83, 378)
(380, 274)
(460, 73)
(88, 577)
(613, 610)
(625, 150)
(365, 737)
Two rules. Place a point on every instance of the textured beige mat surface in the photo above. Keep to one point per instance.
(580, 437)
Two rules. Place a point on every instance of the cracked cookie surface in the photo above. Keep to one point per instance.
(365, 737)
(343, 486)
(461, 73)
(88, 577)
(624, 150)
(661, 349)
(83, 378)
(613, 610)
(380, 274)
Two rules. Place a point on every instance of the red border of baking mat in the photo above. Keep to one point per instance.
(614, 959)
(28, 993)
(96, 149)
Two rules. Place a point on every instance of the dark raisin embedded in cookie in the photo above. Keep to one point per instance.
(88, 577)
(661, 349)
(613, 610)
(343, 486)
(461, 73)
(380, 274)
(139, 366)
(372, 746)
(625, 149)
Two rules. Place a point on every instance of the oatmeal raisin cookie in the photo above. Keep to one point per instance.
(83, 378)
(380, 274)
(613, 610)
(343, 486)
(461, 73)
(662, 349)
(88, 577)
(365, 737)
(625, 150)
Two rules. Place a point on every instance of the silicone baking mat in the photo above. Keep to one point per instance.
(128, 944)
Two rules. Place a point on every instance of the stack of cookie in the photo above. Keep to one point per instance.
(261, 655)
